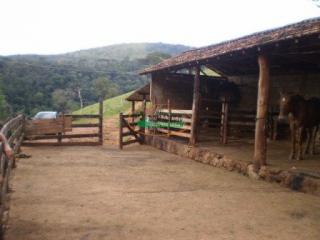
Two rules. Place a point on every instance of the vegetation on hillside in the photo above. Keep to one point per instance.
(111, 107)
(65, 82)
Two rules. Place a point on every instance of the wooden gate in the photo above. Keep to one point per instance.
(129, 131)
(66, 130)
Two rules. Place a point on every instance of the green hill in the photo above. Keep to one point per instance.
(32, 83)
(126, 51)
(111, 107)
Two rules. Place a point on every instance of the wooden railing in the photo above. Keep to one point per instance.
(13, 131)
(65, 127)
(244, 121)
(177, 122)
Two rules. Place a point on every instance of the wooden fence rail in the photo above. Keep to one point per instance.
(13, 131)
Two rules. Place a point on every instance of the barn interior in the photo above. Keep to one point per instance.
(229, 76)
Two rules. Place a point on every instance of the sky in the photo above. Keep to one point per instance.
(59, 26)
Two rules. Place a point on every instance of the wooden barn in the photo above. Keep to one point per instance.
(227, 94)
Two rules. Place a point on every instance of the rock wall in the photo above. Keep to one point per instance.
(286, 178)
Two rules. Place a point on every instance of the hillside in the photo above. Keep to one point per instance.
(111, 107)
(127, 51)
(31, 83)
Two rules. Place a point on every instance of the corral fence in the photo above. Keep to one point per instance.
(161, 122)
(13, 131)
(66, 130)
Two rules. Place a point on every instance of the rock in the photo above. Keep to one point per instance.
(229, 164)
(310, 186)
(252, 173)
(263, 172)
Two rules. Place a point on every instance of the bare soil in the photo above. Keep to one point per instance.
(93, 193)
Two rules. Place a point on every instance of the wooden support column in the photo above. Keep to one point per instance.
(195, 107)
(169, 117)
(133, 107)
(260, 144)
(144, 117)
(224, 121)
(132, 110)
(120, 131)
(101, 122)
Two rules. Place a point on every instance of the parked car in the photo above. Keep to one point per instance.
(46, 115)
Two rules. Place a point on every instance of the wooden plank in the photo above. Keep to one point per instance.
(33, 144)
(239, 123)
(126, 134)
(131, 115)
(85, 125)
(175, 133)
(82, 135)
(78, 116)
(210, 117)
(130, 142)
(177, 111)
(184, 120)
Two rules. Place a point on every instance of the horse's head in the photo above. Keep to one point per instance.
(284, 105)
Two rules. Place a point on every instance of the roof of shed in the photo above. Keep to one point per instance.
(300, 30)
(137, 95)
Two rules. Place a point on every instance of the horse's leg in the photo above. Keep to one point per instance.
(314, 139)
(293, 140)
(309, 139)
(300, 143)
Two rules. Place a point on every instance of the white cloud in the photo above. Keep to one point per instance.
(55, 26)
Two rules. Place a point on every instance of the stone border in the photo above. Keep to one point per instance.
(286, 178)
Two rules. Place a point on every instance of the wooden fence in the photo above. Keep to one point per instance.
(65, 128)
(163, 122)
(13, 130)
(243, 122)
(173, 122)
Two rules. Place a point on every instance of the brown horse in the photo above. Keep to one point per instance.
(304, 117)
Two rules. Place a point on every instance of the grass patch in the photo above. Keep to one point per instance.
(111, 107)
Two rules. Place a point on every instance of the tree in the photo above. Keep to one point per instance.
(3, 106)
(103, 88)
(62, 101)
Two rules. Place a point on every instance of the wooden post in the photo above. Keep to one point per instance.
(132, 110)
(144, 117)
(101, 122)
(224, 121)
(260, 144)
(169, 117)
(195, 107)
(63, 127)
(120, 130)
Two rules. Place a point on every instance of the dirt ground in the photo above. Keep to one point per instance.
(93, 193)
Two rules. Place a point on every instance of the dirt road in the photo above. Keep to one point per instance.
(94, 193)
